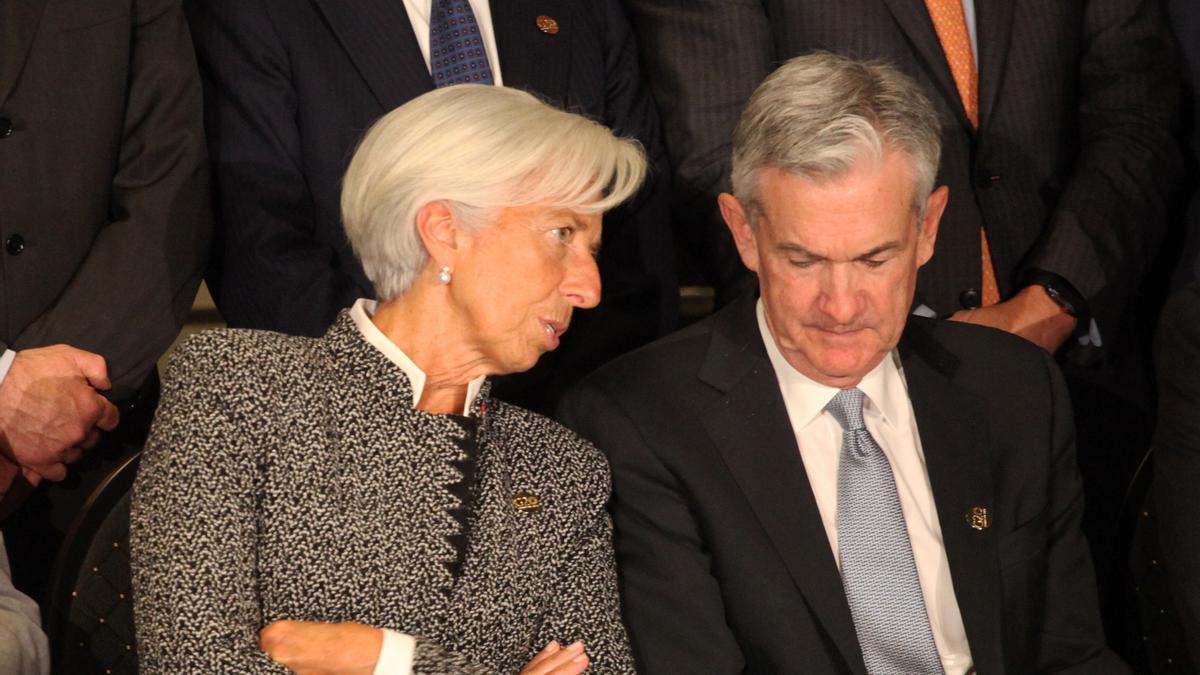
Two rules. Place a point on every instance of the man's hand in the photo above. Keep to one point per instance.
(50, 410)
(1030, 314)
(557, 660)
(315, 648)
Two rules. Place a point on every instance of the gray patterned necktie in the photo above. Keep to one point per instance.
(878, 572)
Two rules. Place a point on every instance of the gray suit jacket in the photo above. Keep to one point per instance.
(1069, 170)
(23, 646)
(104, 214)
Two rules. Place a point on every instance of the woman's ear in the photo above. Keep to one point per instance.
(439, 230)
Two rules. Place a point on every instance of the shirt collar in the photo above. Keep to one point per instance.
(884, 387)
(361, 312)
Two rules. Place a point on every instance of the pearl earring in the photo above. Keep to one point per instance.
(444, 276)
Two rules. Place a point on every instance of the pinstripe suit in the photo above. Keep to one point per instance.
(291, 85)
(1069, 170)
(103, 212)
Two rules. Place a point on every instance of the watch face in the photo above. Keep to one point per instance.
(1059, 299)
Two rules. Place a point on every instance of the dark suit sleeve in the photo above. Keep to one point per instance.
(703, 59)
(269, 269)
(637, 259)
(1072, 639)
(1109, 219)
(639, 250)
(130, 296)
(671, 600)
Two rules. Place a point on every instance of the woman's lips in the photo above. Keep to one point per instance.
(553, 331)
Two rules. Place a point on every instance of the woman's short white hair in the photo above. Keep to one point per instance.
(479, 149)
(819, 114)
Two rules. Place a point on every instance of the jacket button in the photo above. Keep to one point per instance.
(969, 299)
(6, 127)
(14, 244)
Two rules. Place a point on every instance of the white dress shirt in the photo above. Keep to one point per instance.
(418, 15)
(969, 18)
(396, 652)
(6, 360)
(361, 312)
(889, 418)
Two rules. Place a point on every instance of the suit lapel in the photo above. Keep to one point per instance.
(20, 19)
(750, 428)
(530, 58)
(993, 26)
(953, 426)
(379, 39)
(914, 20)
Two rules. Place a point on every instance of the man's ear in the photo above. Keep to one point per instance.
(738, 222)
(935, 205)
(440, 233)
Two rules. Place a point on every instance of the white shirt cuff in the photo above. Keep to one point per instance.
(396, 654)
(6, 360)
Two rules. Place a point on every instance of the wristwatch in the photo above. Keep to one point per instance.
(1061, 292)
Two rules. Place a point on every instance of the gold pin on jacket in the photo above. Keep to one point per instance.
(978, 518)
(525, 502)
(547, 25)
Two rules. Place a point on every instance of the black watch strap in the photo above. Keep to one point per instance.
(1061, 292)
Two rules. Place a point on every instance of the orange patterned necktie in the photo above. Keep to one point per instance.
(951, 25)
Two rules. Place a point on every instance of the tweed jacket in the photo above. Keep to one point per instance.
(292, 478)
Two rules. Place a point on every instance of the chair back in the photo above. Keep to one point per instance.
(1151, 636)
(89, 610)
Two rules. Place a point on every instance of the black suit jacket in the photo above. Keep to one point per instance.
(104, 211)
(292, 85)
(725, 565)
(1069, 170)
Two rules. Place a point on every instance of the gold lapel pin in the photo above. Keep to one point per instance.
(978, 518)
(547, 25)
(524, 501)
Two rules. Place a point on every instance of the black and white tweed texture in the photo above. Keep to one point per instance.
(878, 571)
(291, 478)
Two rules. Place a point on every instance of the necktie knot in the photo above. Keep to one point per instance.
(846, 407)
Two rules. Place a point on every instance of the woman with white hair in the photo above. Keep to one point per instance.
(359, 502)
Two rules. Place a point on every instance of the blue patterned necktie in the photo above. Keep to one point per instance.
(878, 571)
(456, 53)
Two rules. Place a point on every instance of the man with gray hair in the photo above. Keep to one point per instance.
(814, 481)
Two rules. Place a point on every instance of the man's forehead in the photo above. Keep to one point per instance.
(873, 203)
(798, 250)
